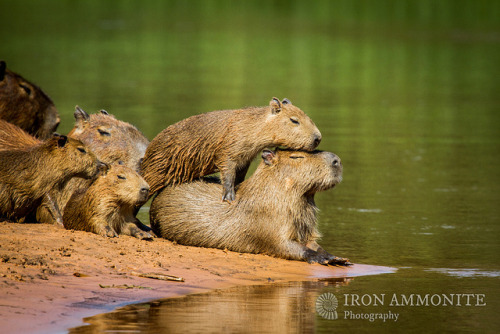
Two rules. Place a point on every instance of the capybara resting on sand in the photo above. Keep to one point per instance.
(273, 213)
(24, 104)
(225, 141)
(30, 174)
(107, 207)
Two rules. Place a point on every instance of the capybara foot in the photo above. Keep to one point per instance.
(340, 261)
(107, 231)
(143, 235)
(228, 196)
(314, 257)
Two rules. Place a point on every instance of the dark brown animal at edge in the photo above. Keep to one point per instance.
(225, 141)
(24, 104)
(29, 175)
(107, 207)
(274, 211)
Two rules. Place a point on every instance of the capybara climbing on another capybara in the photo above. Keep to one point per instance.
(274, 211)
(24, 104)
(108, 206)
(29, 175)
(225, 141)
(113, 141)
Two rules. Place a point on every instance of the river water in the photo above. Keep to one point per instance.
(405, 92)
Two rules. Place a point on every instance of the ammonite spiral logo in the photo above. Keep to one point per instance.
(326, 304)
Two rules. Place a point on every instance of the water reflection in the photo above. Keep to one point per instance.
(274, 308)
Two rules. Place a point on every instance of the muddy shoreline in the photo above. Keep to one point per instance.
(51, 278)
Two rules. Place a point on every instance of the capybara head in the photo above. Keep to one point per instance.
(291, 127)
(24, 104)
(73, 156)
(112, 140)
(124, 185)
(299, 171)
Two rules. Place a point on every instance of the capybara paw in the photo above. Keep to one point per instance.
(315, 257)
(229, 196)
(107, 231)
(143, 235)
(339, 260)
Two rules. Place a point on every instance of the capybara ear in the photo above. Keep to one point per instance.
(286, 101)
(3, 68)
(268, 157)
(104, 112)
(80, 116)
(61, 142)
(275, 105)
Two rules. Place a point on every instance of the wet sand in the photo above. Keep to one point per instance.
(51, 278)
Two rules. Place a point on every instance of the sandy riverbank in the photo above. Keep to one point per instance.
(51, 278)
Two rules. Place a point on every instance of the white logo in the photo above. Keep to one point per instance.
(326, 304)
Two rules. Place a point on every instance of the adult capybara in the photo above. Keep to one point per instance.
(107, 207)
(112, 141)
(225, 141)
(274, 211)
(29, 175)
(24, 104)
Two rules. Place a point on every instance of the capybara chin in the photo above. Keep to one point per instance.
(107, 207)
(113, 141)
(24, 104)
(30, 174)
(274, 211)
(225, 141)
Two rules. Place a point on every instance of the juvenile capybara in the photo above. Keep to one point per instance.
(24, 104)
(274, 211)
(13, 137)
(107, 207)
(225, 141)
(29, 175)
(112, 141)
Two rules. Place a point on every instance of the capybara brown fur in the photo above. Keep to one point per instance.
(13, 137)
(112, 141)
(225, 141)
(107, 207)
(29, 175)
(274, 211)
(26, 105)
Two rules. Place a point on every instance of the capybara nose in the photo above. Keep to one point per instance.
(102, 166)
(336, 162)
(144, 191)
(317, 140)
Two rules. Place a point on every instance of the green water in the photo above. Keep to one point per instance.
(405, 92)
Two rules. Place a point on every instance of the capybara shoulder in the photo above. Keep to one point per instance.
(112, 140)
(26, 105)
(29, 174)
(225, 141)
(273, 212)
(108, 206)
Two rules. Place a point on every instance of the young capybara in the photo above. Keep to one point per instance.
(274, 211)
(107, 207)
(225, 141)
(24, 104)
(112, 141)
(29, 175)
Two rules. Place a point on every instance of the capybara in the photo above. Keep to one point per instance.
(29, 175)
(13, 137)
(107, 207)
(225, 141)
(274, 211)
(112, 141)
(24, 104)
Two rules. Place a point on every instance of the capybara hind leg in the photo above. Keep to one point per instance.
(106, 231)
(134, 231)
(331, 259)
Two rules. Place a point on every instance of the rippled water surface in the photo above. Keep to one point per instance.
(405, 92)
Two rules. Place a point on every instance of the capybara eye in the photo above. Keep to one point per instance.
(26, 89)
(81, 149)
(103, 132)
(296, 157)
(121, 177)
(294, 120)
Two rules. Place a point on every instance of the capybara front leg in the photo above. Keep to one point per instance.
(297, 251)
(228, 177)
(51, 206)
(134, 231)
